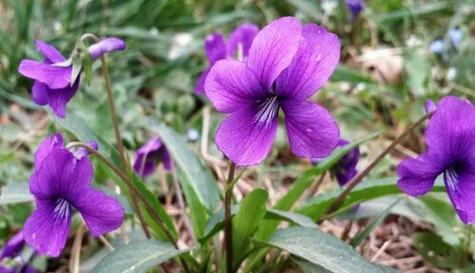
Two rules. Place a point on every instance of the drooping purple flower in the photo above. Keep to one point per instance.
(450, 138)
(61, 185)
(345, 169)
(12, 247)
(18, 269)
(149, 155)
(217, 48)
(52, 84)
(287, 64)
(355, 7)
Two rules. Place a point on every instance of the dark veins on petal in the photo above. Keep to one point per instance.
(268, 109)
(62, 208)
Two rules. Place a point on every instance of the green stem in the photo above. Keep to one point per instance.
(359, 177)
(228, 239)
(466, 246)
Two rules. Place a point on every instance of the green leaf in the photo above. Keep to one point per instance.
(367, 190)
(137, 257)
(303, 182)
(246, 221)
(296, 218)
(13, 193)
(363, 234)
(322, 249)
(434, 250)
(308, 267)
(201, 182)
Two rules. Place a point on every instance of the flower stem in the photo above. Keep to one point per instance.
(359, 177)
(228, 239)
(118, 139)
(466, 246)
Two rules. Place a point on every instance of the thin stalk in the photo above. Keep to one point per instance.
(359, 177)
(181, 204)
(228, 239)
(466, 246)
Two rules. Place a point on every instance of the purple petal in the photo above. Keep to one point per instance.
(230, 85)
(54, 77)
(46, 146)
(39, 92)
(82, 152)
(451, 131)
(312, 131)
(200, 84)
(166, 158)
(429, 106)
(312, 66)
(417, 176)
(273, 49)
(61, 175)
(7, 269)
(245, 138)
(355, 7)
(101, 212)
(461, 190)
(145, 161)
(215, 48)
(28, 269)
(13, 246)
(345, 169)
(47, 231)
(51, 54)
(105, 46)
(59, 98)
(242, 37)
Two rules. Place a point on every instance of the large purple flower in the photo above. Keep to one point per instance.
(149, 155)
(217, 48)
(61, 185)
(53, 84)
(450, 138)
(287, 63)
(345, 169)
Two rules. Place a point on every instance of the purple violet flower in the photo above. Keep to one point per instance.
(149, 155)
(355, 7)
(287, 63)
(61, 184)
(217, 48)
(52, 84)
(429, 106)
(345, 169)
(450, 138)
(13, 246)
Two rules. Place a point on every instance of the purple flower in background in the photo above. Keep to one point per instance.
(429, 106)
(217, 48)
(61, 184)
(287, 63)
(18, 269)
(149, 155)
(53, 84)
(13, 246)
(345, 169)
(450, 138)
(355, 7)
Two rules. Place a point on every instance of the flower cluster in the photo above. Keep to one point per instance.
(450, 138)
(53, 84)
(286, 64)
(60, 184)
(217, 48)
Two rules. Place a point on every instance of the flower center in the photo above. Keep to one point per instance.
(62, 209)
(268, 109)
